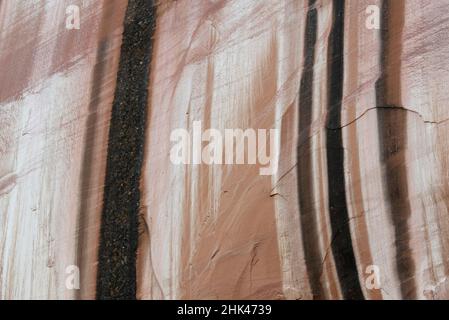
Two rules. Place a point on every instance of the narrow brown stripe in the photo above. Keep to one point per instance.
(87, 164)
(363, 250)
(392, 126)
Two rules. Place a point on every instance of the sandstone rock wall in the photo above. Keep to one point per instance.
(358, 208)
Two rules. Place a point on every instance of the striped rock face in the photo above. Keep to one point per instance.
(350, 200)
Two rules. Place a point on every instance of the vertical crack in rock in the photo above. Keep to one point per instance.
(392, 130)
(119, 229)
(309, 228)
(342, 248)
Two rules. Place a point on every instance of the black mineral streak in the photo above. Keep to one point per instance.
(310, 234)
(116, 278)
(342, 248)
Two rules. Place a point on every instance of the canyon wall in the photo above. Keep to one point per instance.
(358, 207)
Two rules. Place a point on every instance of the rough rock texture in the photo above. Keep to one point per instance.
(56, 93)
(362, 186)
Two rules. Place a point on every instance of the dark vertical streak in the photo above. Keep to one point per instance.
(393, 141)
(88, 158)
(119, 229)
(341, 244)
(309, 229)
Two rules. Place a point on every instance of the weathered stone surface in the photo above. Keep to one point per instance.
(362, 182)
(56, 92)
